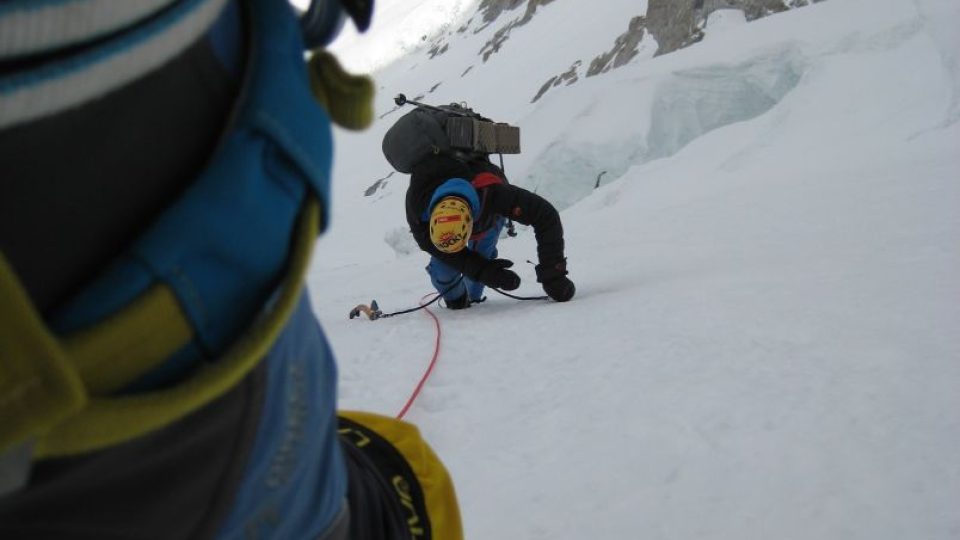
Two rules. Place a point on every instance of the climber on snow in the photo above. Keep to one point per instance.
(458, 202)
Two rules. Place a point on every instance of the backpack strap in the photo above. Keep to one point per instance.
(486, 179)
(479, 182)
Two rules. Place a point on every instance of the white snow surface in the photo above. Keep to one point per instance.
(722, 21)
(764, 341)
(398, 28)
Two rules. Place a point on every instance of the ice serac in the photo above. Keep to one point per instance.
(693, 102)
(683, 105)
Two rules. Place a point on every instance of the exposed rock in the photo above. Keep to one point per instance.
(380, 183)
(438, 49)
(493, 46)
(625, 47)
(569, 76)
(492, 9)
(678, 24)
(673, 23)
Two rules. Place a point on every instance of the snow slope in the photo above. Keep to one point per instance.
(764, 340)
(398, 27)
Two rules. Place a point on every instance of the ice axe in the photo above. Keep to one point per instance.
(372, 311)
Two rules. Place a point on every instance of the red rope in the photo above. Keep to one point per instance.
(433, 362)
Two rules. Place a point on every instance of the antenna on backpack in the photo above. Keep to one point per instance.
(402, 100)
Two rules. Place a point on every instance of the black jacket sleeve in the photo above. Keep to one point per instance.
(529, 208)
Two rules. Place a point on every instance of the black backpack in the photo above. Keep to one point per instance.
(449, 129)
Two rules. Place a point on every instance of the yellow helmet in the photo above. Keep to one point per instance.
(451, 224)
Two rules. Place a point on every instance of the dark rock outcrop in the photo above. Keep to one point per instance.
(674, 24)
(677, 24)
(625, 48)
(491, 10)
(437, 49)
(569, 77)
(380, 183)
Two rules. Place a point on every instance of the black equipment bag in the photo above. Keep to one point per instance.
(416, 135)
(429, 130)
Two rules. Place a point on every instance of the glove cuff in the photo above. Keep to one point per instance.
(551, 271)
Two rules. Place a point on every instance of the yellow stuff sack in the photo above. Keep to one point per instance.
(391, 453)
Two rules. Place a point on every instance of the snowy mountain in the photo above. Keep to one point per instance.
(764, 339)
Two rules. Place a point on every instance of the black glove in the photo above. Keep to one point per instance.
(459, 303)
(555, 281)
(560, 289)
(495, 274)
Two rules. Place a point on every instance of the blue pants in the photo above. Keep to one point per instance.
(443, 276)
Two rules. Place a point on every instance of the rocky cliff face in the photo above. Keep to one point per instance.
(673, 24)
(677, 24)
(491, 10)
(625, 48)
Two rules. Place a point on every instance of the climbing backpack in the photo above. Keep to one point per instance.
(429, 130)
